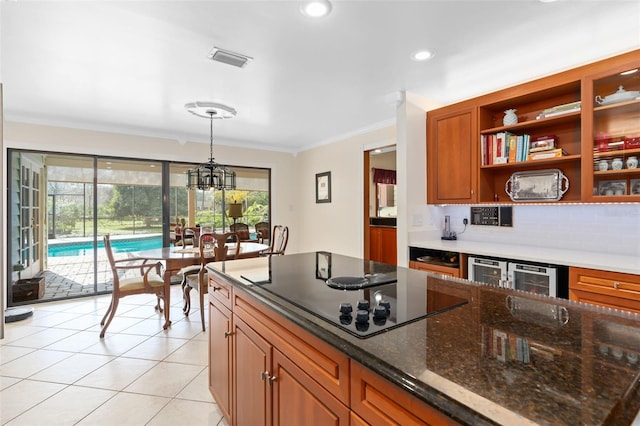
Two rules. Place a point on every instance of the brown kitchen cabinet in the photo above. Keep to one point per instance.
(267, 371)
(563, 106)
(220, 356)
(297, 398)
(442, 262)
(383, 245)
(452, 155)
(604, 288)
(377, 402)
(271, 389)
(252, 376)
(438, 269)
(612, 97)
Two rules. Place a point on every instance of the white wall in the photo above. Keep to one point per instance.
(414, 219)
(75, 141)
(337, 226)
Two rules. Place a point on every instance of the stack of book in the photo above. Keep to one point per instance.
(504, 147)
(560, 110)
(543, 147)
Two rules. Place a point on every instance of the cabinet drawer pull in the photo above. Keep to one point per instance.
(616, 284)
(217, 288)
(264, 375)
(272, 379)
(228, 334)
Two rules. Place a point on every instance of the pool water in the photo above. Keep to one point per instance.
(85, 248)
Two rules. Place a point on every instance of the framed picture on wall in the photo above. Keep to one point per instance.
(323, 187)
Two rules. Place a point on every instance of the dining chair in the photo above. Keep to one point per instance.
(262, 231)
(242, 229)
(186, 237)
(279, 240)
(213, 248)
(132, 275)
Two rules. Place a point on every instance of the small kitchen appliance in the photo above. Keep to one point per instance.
(489, 271)
(548, 280)
(448, 234)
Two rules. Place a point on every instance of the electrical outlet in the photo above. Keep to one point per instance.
(465, 221)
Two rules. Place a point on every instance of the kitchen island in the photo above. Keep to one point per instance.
(448, 350)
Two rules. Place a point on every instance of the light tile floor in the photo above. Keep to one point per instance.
(55, 369)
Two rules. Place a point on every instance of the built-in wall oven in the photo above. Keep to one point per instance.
(548, 280)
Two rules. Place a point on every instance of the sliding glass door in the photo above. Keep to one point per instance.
(61, 205)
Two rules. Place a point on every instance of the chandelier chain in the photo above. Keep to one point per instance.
(211, 137)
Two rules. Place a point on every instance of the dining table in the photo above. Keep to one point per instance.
(176, 258)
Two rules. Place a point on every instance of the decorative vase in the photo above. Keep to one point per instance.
(616, 164)
(632, 162)
(603, 165)
(510, 117)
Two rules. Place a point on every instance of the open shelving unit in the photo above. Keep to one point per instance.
(567, 106)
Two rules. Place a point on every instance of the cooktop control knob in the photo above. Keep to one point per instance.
(380, 321)
(379, 312)
(362, 316)
(363, 305)
(386, 304)
(346, 309)
(346, 319)
(362, 326)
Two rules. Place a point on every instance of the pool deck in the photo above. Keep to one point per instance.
(69, 276)
(73, 276)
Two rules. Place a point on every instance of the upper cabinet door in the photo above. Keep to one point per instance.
(612, 134)
(452, 160)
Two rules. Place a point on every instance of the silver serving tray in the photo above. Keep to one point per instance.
(537, 185)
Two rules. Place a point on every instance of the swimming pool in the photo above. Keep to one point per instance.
(119, 245)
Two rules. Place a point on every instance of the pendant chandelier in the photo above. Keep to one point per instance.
(211, 175)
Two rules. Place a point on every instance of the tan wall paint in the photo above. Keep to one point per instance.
(336, 226)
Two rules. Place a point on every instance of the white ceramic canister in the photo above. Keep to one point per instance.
(603, 165)
(632, 162)
(616, 164)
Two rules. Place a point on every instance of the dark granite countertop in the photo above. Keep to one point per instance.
(505, 357)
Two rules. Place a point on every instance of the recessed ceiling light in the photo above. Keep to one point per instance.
(422, 55)
(629, 72)
(315, 8)
(547, 1)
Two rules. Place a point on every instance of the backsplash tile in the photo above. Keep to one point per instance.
(610, 228)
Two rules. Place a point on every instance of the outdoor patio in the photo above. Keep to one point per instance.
(72, 276)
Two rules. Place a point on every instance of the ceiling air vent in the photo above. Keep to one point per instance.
(230, 58)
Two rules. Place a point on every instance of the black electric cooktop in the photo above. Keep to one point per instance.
(362, 297)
